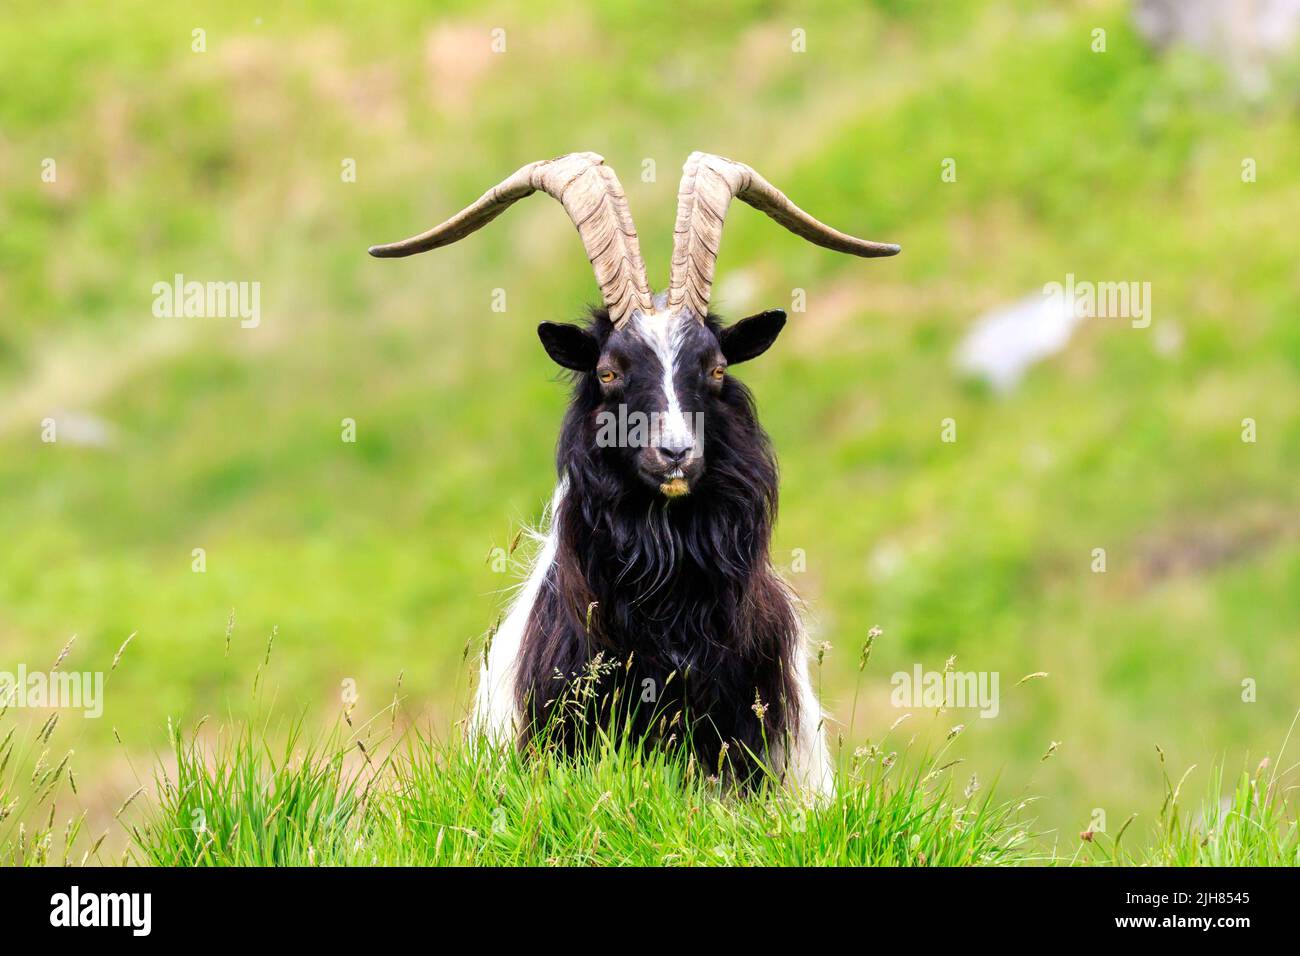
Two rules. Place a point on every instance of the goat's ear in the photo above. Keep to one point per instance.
(751, 337)
(569, 346)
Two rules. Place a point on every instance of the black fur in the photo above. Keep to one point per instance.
(660, 586)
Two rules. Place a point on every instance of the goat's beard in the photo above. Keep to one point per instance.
(675, 488)
(677, 482)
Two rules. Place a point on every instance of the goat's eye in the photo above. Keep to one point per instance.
(606, 376)
(718, 372)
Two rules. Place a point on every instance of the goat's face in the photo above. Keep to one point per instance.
(659, 377)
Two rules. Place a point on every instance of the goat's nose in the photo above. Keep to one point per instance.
(674, 452)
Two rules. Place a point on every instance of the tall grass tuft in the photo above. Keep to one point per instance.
(241, 800)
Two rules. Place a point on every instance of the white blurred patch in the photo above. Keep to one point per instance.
(1244, 35)
(1168, 339)
(1038, 457)
(1005, 342)
(736, 291)
(887, 559)
(78, 428)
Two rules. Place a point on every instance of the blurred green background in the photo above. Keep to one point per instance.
(371, 557)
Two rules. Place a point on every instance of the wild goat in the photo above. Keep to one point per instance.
(654, 583)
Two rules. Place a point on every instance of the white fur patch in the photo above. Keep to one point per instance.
(808, 766)
(664, 333)
(495, 712)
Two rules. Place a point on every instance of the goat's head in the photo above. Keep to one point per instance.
(658, 360)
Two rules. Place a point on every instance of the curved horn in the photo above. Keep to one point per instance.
(592, 196)
(708, 185)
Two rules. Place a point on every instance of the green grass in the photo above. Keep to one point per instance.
(1247, 825)
(448, 803)
(270, 792)
(371, 556)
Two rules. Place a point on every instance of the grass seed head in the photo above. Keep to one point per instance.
(67, 648)
(118, 656)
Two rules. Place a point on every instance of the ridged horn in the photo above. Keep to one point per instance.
(708, 185)
(592, 196)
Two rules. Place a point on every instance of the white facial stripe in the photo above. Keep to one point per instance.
(664, 333)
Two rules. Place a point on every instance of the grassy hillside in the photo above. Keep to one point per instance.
(371, 557)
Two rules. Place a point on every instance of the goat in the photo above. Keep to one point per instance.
(654, 580)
